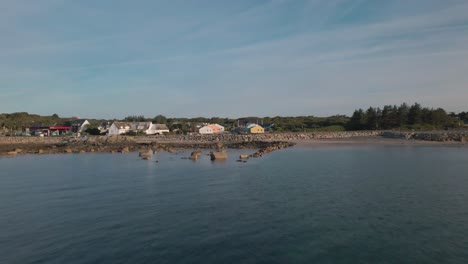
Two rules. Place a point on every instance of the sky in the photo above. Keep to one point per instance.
(224, 58)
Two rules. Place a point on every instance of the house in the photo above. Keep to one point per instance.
(158, 129)
(255, 129)
(218, 127)
(142, 127)
(211, 129)
(79, 125)
(119, 128)
(206, 130)
(104, 127)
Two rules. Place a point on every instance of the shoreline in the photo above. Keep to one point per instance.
(12, 146)
(376, 141)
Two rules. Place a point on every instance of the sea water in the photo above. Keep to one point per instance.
(325, 204)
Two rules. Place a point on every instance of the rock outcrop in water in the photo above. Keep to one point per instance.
(271, 147)
(219, 155)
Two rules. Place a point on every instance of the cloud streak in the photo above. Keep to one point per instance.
(304, 57)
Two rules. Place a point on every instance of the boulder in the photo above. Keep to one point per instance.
(219, 145)
(12, 153)
(170, 150)
(195, 155)
(243, 156)
(124, 150)
(146, 154)
(218, 155)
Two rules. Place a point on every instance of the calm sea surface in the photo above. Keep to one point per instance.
(329, 204)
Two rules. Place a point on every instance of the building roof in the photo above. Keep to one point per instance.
(160, 127)
(122, 124)
(78, 122)
(140, 125)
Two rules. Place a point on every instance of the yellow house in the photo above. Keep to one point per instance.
(256, 129)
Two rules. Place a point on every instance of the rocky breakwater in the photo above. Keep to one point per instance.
(53, 145)
(438, 136)
(228, 138)
(272, 146)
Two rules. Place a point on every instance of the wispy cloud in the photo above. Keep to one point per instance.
(315, 57)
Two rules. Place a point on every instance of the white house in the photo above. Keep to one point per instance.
(206, 130)
(119, 128)
(144, 127)
(158, 129)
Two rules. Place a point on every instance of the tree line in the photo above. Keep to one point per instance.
(405, 117)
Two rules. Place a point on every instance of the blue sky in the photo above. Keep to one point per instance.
(113, 58)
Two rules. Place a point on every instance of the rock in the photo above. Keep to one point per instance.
(218, 155)
(124, 150)
(68, 150)
(219, 145)
(145, 154)
(12, 153)
(195, 155)
(40, 151)
(82, 151)
(243, 156)
(147, 158)
(170, 150)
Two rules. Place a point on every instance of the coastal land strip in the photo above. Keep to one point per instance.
(264, 143)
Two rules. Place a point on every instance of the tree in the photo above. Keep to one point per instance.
(415, 114)
(160, 119)
(55, 116)
(135, 118)
(402, 115)
(93, 131)
(357, 120)
(371, 118)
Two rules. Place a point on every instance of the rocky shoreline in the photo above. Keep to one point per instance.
(123, 144)
(437, 136)
(12, 146)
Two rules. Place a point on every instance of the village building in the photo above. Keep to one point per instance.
(206, 130)
(119, 128)
(159, 129)
(255, 129)
(218, 127)
(79, 125)
(148, 128)
(104, 127)
(211, 129)
(56, 130)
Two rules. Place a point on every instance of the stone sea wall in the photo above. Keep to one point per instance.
(232, 138)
